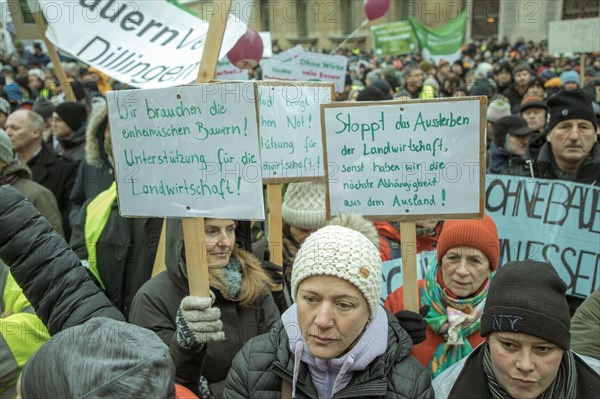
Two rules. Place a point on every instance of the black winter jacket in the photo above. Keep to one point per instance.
(264, 361)
(155, 307)
(57, 174)
(50, 274)
(125, 253)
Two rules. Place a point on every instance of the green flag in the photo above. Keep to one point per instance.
(443, 42)
(394, 39)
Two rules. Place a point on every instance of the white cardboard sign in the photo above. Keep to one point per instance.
(148, 44)
(290, 129)
(574, 35)
(405, 160)
(188, 151)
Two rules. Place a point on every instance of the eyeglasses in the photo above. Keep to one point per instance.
(56, 118)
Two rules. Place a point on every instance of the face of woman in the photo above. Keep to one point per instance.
(220, 238)
(464, 269)
(332, 314)
(523, 364)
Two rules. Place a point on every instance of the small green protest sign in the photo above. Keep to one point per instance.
(188, 151)
(394, 39)
(290, 129)
(406, 160)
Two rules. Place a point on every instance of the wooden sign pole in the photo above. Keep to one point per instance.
(275, 227)
(408, 234)
(159, 259)
(58, 69)
(193, 228)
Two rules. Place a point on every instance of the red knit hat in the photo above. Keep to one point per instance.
(480, 234)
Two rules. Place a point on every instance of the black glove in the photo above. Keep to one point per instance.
(414, 323)
(274, 271)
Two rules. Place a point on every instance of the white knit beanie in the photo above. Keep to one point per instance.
(304, 205)
(340, 252)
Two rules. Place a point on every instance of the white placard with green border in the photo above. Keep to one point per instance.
(394, 39)
(188, 151)
(404, 161)
(290, 129)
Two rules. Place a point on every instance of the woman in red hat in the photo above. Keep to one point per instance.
(452, 295)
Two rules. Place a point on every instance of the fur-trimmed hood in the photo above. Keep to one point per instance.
(96, 155)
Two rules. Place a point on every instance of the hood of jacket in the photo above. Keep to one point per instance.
(94, 136)
(131, 362)
(15, 169)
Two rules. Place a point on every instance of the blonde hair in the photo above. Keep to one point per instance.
(255, 281)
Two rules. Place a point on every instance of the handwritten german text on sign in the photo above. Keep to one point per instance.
(290, 129)
(307, 66)
(549, 220)
(392, 158)
(189, 151)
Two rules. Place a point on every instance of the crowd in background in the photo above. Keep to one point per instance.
(542, 121)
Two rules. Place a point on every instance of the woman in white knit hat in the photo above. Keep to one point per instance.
(336, 340)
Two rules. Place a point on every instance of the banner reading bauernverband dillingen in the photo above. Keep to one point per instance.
(149, 44)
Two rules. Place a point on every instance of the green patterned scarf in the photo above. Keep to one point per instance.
(453, 318)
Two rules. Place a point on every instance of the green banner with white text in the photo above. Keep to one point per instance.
(394, 39)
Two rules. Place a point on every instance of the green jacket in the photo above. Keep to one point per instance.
(258, 369)
(21, 332)
(585, 327)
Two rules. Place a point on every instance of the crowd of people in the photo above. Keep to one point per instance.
(105, 326)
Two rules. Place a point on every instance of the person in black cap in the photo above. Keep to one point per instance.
(527, 352)
(503, 76)
(534, 111)
(508, 152)
(68, 127)
(571, 152)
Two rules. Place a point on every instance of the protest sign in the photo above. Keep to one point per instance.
(392, 160)
(289, 54)
(189, 151)
(391, 271)
(307, 66)
(290, 129)
(284, 71)
(443, 42)
(20, 12)
(575, 35)
(227, 71)
(267, 44)
(394, 39)
(148, 44)
(549, 220)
